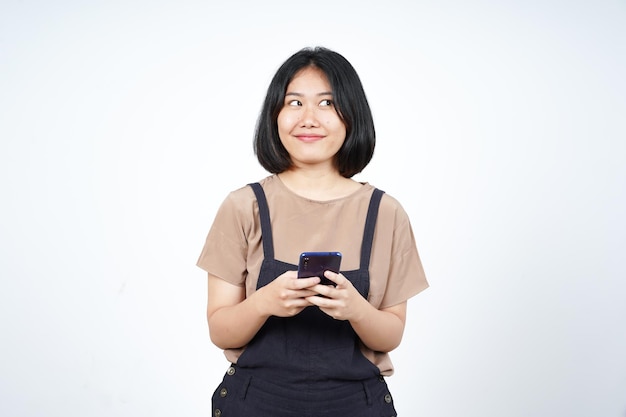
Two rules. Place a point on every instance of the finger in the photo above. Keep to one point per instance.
(325, 290)
(301, 283)
(321, 302)
(326, 305)
(290, 274)
(304, 293)
(335, 277)
(300, 303)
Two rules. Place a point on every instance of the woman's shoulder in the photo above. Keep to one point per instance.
(245, 194)
(387, 200)
(390, 207)
(240, 197)
(391, 202)
(239, 203)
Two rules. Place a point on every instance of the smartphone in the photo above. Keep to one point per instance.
(313, 264)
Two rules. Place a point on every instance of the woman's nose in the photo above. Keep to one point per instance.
(309, 118)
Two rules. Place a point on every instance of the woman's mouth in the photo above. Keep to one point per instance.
(309, 138)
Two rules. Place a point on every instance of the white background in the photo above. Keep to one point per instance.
(501, 129)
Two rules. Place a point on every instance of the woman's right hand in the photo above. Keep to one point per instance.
(234, 319)
(285, 296)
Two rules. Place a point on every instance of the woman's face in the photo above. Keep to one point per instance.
(308, 124)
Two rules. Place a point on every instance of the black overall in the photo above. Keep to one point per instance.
(309, 365)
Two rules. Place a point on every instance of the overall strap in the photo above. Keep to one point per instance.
(370, 225)
(266, 226)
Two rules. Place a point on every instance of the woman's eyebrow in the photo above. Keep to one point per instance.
(325, 93)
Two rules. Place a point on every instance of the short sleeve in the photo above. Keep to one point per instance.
(225, 250)
(405, 274)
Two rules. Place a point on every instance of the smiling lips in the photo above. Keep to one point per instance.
(309, 137)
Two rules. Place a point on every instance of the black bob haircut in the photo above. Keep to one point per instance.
(350, 103)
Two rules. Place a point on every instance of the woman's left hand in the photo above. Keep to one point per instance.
(341, 302)
(380, 330)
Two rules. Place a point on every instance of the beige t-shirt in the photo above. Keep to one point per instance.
(233, 250)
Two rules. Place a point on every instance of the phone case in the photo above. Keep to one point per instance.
(313, 264)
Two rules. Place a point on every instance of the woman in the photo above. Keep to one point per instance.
(296, 347)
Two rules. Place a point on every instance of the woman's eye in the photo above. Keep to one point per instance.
(294, 103)
(326, 103)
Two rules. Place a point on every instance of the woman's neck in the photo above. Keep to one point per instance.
(318, 185)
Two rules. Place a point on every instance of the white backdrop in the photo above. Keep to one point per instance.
(501, 129)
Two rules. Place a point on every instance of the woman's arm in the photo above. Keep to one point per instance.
(380, 330)
(234, 319)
